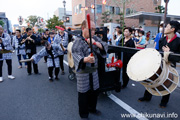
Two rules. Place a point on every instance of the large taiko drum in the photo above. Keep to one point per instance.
(153, 72)
(69, 55)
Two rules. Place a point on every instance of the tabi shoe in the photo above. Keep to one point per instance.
(11, 77)
(20, 67)
(50, 79)
(1, 79)
(29, 73)
(143, 99)
(56, 78)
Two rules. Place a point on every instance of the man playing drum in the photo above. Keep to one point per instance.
(169, 43)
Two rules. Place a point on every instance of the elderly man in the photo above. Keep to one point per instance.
(5, 42)
(61, 39)
(87, 83)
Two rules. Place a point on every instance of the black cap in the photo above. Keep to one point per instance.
(51, 33)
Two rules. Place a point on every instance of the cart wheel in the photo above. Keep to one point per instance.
(108, 93)
(71, 76)
(118, 87)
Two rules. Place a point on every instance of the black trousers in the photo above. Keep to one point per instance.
(45, 58)
(87, 102)
(50, 71)
(164, 100)
(61, 58)
(29, 66)
(124, 75)
(9, 67)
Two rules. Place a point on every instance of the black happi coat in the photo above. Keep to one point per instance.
(174, 45)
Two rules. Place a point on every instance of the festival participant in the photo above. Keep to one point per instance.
(87, 83)
(30, 42)
(5, 44)
(170, 43)
(51, 51)
(51, 38)
(158, 37)
(45, 38)
(20, 48)
(61, 39)
(128, 42)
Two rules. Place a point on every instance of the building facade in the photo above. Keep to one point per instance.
(60, 13)
(115, 7)
(7, 24)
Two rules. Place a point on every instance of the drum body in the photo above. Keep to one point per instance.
(69, 55)
(157, 76)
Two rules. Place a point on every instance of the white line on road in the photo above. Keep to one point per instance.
(65, 62)
(123, 105)
(127, 107)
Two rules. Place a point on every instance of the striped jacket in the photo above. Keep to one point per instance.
(80, 49)
(6, 40)
(63, 40)
(20, 48)
(43, 52)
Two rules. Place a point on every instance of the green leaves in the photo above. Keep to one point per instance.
(1, 23)
(160, 9)
(52, 22)
(105, 17)
(32, 20)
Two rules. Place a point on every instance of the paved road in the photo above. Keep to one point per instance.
(35, 98)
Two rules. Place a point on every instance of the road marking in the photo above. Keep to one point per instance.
(127, 107)
(65, 62)
(123, 104)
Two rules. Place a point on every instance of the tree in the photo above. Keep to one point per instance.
(1, 23)
(118, 3)
(40, 30)
(52, 22)
(32, 20)
(105, 17)
(120, 20)
(161, 10)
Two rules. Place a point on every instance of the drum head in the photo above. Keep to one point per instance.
(69, 55)
(144, 64)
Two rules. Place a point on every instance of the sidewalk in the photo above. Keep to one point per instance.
(151, 45)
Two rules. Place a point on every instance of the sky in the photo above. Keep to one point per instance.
(46, 8)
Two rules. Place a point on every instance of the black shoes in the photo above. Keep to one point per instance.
(162, 105)
(96, 112)
(56, 78)
(62, 73)
(84, 119)
(123, 86)
(143, 99)
(37, 73)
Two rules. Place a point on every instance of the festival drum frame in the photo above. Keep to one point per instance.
(153, 72)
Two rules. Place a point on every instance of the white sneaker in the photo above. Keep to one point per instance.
(11, 77)
(1, 79)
